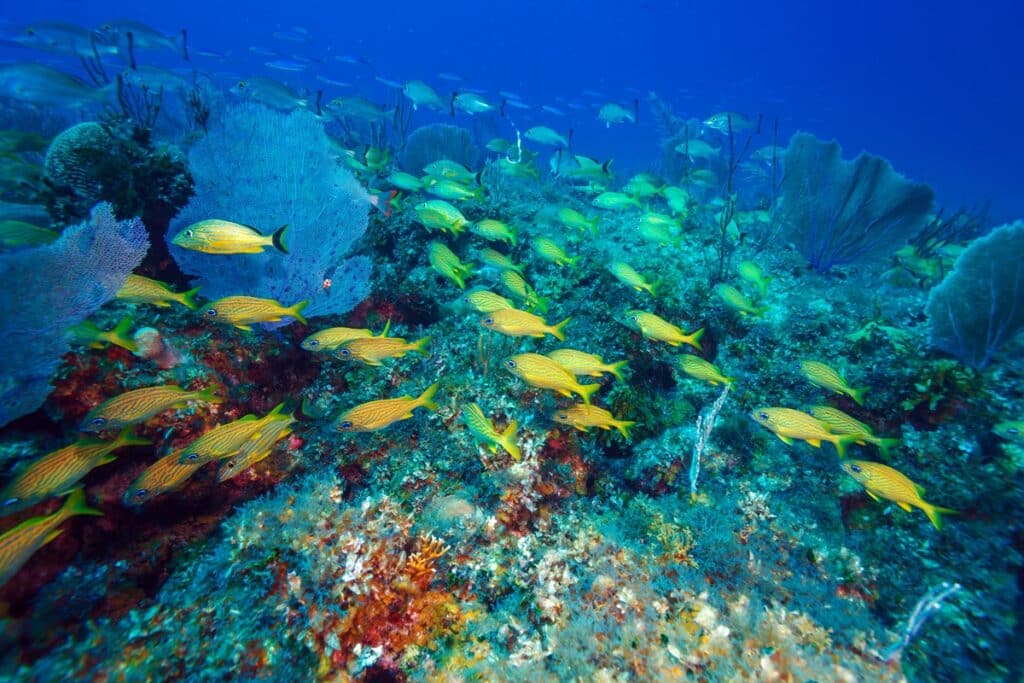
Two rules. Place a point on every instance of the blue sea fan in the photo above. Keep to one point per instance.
(50, 288)
(265, 168)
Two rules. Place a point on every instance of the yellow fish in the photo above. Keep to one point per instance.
(542, 372)
(495, 259)
(882, 482)
(549, 250)
(437, 214)
(589, 364)
(515, 285)
(678, 200)
(698, 368)
(738, 301)
(571, 218)
(583, 417)
(166, 474)
(138, 289)
(21, 542)
(17, 234)
(139, 405)
(789, 424)
(491, 229)
(57, 472)
(487, 302)
(839, 422)
(659, 329)
(1012, 430)
(627, 275)
(373, 350)
(512, 322)
(255, 450)
(615, 201)
(243, 311)
(333, 337)
(217, 236)
(445, 262)
(659, 228)
(821, 375)
(89, 334)
(446, 188)
(374, 415)
(751, 272)
(482, 428)
(453, 170)
(226, 439)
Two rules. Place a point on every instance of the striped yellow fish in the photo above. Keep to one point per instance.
(445, 188)
(839, 422)
(738, 301)
(223, 441)
(166, 474)
(571, 218)
(512, 322)
(139, 405)
(21, 542)
(138, 289)
(698, 368)
(821, 375)
(495, 259)
(549, 250)
(494, 230)
(437, 214)
(217, 236)
(333, 337)
(243, 311)
(519, 288)
(882, 482)
(789, 424)
(255, 450)
(487, 302)
(58, 472)
(658, 329)
(448, 264)
(659, 228)
(374, 415)
(751, 272)
(627, 275)
(542, 372)
(373, 350)
(583, 417)
(589, 364)
(89, 334)
(483, 429)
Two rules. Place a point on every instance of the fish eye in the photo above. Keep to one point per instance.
(488, 321)
(344, 352)
(510, 363)
(192, 457)
(212, 312)
(563, 416)
(633, 318)
(189, 233)
(1013, 430)
(98, 421)
(855, 468)
(142, 493)
(345, 425)
(763, 415)
(313, 342)
(10, 501)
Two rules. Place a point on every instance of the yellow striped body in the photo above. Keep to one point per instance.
(839, 422)
(656, 328)
(373, 350)
(491, 229)
(256, 449)
(627, 275)
(217, 236)
(549, 250)
(885, 483)
(515, 323)
(571, 218)
(542, 372)
(166, 474)
(225, 440)
(437, 214)
(243, 311)
(487, 302)
(139, 405)
(698, 368)
(789, 424)
(138, 289)
(583, 363)
(583, 417)
(374, 415)
(483, 429)
(821, 375)
(448, 264)
(738, 301)
(495, 259)
(333, 337)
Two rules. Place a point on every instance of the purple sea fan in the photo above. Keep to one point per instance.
(266, 168)
(50, 288)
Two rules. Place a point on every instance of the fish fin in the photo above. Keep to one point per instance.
(188, 299)
(420, 347)
(208, 395)
(842, 442)
(76, 505)
(694, 339)
(387, 328)
(244, 328)
(507, 439)
(653, 288)
(616, 369)
(127, 438)
(858, 395)
(785, 439)
(106, 458)
(934, 513)
(885, 444)
(296, 311)
(728, 380)
(903, 506)
(588, 390)
(277, 239)
(52, 535)
(119, 335)
(623, 426)
(874, 496)
(426, 399)
(814, 442)
(559, 330)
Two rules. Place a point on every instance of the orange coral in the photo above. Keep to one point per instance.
(420, 566)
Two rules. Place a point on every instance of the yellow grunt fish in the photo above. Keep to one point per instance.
(333, 337)
(255, 450)
(738, 301)
(373, 350)
(627, 275)
(751, 272)
(437, 214)
(495, 230)
(571, 218)
(839, 422)
(512, 322)
(374, 415)
(483, 429)
(487, 302)
(495, 259)
(542, 372)
(445, 262)
(549, 250)
(789, 424)
(658, 329)
(821, 375)
(223, 441)
(1011, 430)
(515, 285)
(583, 417)
(615, 201)
(21, 542)
(698, 368)
(139, 405)
(58, 472)
(166, 474)
(589, 364)
(138, 289)
(243, 311)
(882, 482)
(217, 236)
(89, 334)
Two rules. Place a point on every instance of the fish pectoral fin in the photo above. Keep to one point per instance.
(244, 328)
(581, 428)
(52, 535)
(815, 442)
(784, 439)
(874, 496)
(904, 506)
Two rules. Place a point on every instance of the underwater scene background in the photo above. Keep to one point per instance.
(523, 341)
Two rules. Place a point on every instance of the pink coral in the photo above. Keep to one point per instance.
(154, 347)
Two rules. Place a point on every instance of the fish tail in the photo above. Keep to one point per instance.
(858, 395)
(616, 369)
(459, 278)
(507, 439)
(426, 399)
(759, 311)
(842, 441)
(278, 411)
(119, 335)
(127, 438)
(189, 299)
(623, 426)
(514, 236)
(885, 444)
(277, 239)
(420, 347)
(75, 504)
(762, 286)
(694, 339)
(588, 390)
(592, 224)
(728, 380)
(208, 394)
(540, 303)
(559, 330)
(935, 513)
(296, 311)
